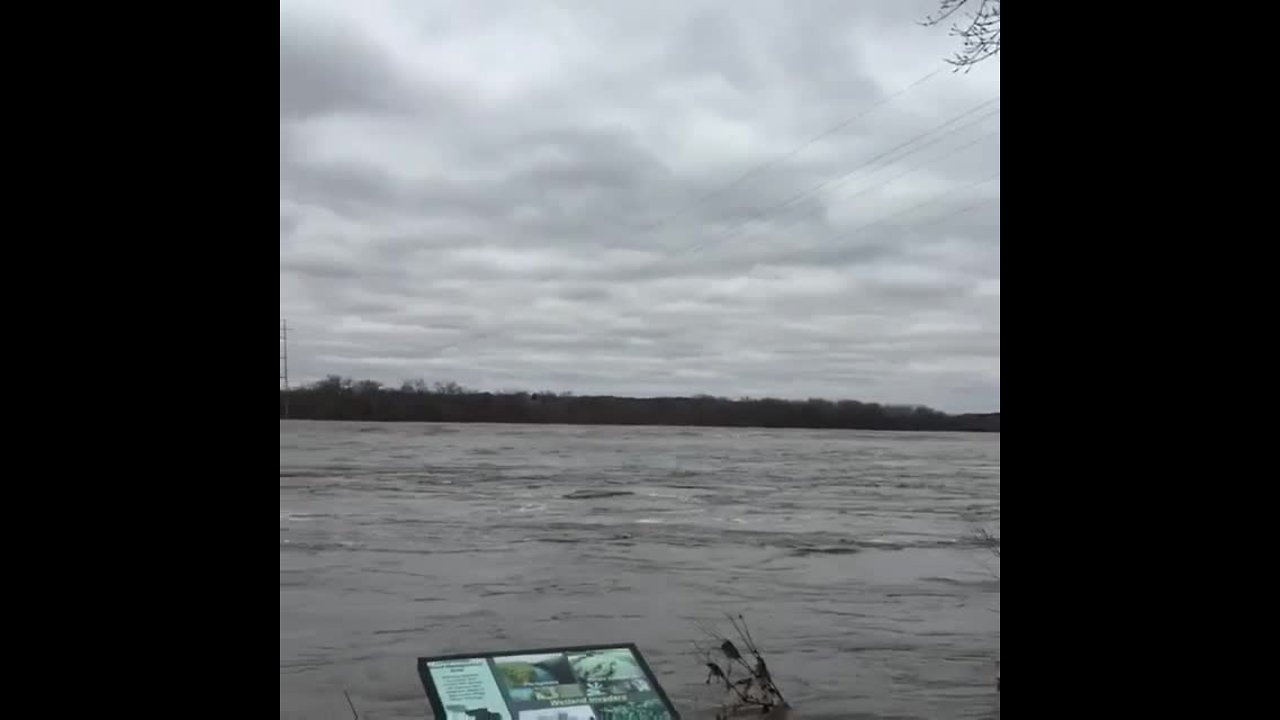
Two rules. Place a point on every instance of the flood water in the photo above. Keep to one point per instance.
(849, 554)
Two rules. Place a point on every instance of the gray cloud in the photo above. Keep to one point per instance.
(327, 66)
(538, 195)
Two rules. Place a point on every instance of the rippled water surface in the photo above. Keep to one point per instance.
(848, 552)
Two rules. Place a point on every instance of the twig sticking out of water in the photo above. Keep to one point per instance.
(988, 540)
(755, 686)
(353, 705)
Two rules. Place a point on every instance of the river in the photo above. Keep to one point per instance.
(850, 554)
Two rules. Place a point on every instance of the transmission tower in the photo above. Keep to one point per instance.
(284, 364)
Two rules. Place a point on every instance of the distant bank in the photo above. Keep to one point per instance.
(343, 399)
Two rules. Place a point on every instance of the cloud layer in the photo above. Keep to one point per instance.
(559, 194)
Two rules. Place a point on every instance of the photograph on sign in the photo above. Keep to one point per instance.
(579, 683)
(535, 678)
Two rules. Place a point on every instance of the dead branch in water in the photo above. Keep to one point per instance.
(747, 683)
(988, 540)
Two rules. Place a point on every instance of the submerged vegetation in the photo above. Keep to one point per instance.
(337, 398)
(989, 540)
(746, 681)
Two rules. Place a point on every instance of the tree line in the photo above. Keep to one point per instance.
(338, 398)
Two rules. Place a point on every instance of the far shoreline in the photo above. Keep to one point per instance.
(339, 399)
(517, 423)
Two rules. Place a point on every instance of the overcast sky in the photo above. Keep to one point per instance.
(550, 195)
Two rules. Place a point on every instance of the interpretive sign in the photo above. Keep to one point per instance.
(598, 682)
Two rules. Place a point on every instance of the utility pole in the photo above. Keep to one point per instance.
(284, 363)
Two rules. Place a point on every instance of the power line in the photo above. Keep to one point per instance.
(917, 227)
(916, 168)
(926, 203)
(959, 211)
(813, 190)
(884, 183)
(919, 166)
(930, 201)
(792, 153)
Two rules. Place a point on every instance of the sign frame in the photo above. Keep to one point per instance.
(437, 706)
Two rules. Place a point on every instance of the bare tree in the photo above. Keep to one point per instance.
(980, 34)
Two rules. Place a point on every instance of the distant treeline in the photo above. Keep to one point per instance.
(337, 398)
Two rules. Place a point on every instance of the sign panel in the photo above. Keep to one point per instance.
(599, 682)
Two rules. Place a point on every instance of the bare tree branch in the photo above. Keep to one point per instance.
(980, 37)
